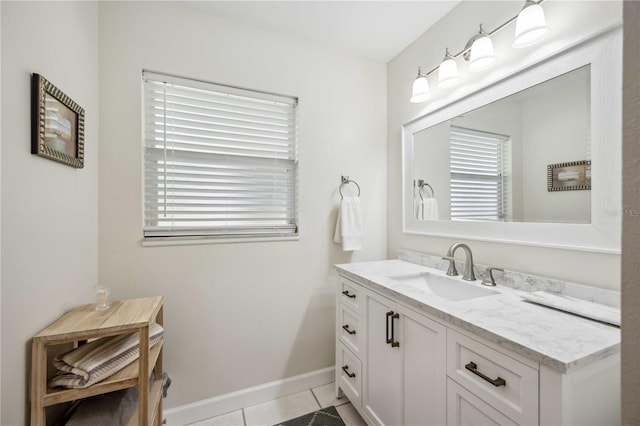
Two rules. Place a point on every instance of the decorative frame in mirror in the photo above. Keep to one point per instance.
(604, 54)
(580, 176)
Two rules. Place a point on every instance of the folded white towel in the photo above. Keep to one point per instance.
(349, 225)
(429, 209)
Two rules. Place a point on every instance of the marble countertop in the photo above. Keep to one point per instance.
(557, 339)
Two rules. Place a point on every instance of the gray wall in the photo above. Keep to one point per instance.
(631, 220)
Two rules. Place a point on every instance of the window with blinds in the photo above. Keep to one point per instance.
(219, 161)
(479, 188)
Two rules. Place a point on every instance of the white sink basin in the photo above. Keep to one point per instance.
(445, 287)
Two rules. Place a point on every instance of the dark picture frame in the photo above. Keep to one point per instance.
(572, 176)
(57, 124)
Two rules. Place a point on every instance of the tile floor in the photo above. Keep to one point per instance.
(288, 407)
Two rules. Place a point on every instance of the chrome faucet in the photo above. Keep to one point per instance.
(468, 274)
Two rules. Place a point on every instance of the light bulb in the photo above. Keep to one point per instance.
(531, 26)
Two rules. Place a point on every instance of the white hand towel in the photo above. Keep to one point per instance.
(349, 225)
(429, 209)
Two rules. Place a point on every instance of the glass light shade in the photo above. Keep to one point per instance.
(448, 73)
(420, 91)
(482, 54)
(531, 26)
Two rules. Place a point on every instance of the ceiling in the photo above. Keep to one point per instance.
(378, 30)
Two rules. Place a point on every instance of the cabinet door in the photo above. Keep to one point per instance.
(383, 396)
(406, 382)
(425, 376)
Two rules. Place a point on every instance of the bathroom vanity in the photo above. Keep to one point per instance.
(416, 347)
(454, 352)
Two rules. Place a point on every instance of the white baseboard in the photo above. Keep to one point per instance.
(212, 407)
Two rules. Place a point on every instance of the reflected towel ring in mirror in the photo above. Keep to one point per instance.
(421, 185)
(345, 180)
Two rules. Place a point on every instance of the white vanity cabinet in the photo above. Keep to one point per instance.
(390, 361)
(404, 368)
(401, 366)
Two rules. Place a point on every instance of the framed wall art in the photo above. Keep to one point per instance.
(57, 124)
(575, 175)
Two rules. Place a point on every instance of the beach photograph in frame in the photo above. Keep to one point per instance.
(572, 176)
(57, 124)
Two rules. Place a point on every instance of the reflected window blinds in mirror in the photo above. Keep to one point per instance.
(480, 182)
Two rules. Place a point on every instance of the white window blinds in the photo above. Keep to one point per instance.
(218, 160)
(478, 184)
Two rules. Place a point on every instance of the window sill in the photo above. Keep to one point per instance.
(188, 241)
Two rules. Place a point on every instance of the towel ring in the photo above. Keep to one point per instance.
(421, 185)
(345, 180)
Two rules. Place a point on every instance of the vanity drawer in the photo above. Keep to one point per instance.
(351, 295)
(349, 374)
(349, 329)
(503, 382)
(464, 408)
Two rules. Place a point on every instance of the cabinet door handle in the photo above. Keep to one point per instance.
(345, 368)
(391, 335)
(389, 315)
(394, 343)
(495, 382)
(346, 293)
(346, 328)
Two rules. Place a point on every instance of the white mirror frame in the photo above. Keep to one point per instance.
(604, 54)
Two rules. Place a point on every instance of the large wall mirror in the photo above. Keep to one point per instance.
(533, 159)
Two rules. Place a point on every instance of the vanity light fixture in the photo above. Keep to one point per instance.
(531, 27)
(420, 89)
(448, 72)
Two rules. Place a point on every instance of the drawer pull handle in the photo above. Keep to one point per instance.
(346, 328)
(345, 368)
(346, 293)
(495, 382)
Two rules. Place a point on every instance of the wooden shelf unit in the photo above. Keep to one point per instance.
(84, 323)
